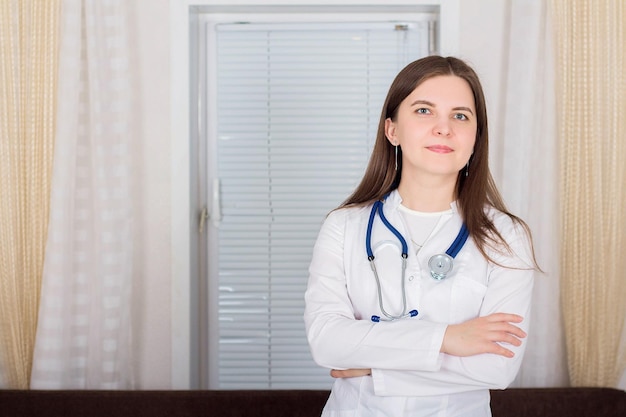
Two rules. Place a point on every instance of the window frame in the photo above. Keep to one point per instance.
(279, 324)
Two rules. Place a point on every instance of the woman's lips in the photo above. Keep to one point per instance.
(439, 148)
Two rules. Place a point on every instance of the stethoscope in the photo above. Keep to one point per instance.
(440, 264)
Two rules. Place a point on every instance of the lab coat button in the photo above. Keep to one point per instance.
(411, 278)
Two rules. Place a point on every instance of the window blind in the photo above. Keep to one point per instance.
(297, 113)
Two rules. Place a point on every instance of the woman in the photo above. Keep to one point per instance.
(429, 338)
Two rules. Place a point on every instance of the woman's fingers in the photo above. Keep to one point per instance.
(495, 346)
(349, 373)
(506, 329)
(501, 350)
(508, 338)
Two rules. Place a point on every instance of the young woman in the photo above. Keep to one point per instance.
(420, 283)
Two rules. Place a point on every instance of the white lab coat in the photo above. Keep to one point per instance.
(410, 377)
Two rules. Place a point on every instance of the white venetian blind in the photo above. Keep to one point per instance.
(297, 113)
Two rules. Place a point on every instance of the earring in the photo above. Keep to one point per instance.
(467, 169)
(396, 157)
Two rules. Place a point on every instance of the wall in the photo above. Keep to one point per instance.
(482, 28)
(483, 44)
(153, 292)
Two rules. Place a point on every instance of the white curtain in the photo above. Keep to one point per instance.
(84, 332)
(529, 183)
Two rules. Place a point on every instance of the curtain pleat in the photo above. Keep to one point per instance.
(527, 151)
(28, 73)
(591, 38)
(85, 318)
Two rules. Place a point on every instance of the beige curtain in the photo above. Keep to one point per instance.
(28, 44)
(591, 79)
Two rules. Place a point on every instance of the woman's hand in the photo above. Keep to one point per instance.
(350, 373)
(483, 335)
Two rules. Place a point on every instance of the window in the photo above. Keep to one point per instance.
(291, 118)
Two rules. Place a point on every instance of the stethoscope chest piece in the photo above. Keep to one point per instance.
(440, 265)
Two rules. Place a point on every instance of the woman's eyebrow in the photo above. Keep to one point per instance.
(431, 104)
(426, 102)
(467, 109)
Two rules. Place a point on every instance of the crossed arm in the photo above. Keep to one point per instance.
(473, 337)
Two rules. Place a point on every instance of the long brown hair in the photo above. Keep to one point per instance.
(473, 192)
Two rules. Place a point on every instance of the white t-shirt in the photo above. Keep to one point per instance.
(420, 225)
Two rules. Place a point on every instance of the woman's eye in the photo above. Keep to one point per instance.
(423, 111)
(460, 116)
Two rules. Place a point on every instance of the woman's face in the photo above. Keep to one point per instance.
(435, 127)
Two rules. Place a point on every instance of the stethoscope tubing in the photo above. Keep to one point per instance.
(458, 243)
(451, 253)
(378, 208)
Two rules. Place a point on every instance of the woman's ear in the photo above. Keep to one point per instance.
(390, 131)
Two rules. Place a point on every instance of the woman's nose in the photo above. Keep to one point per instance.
(442, 129)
